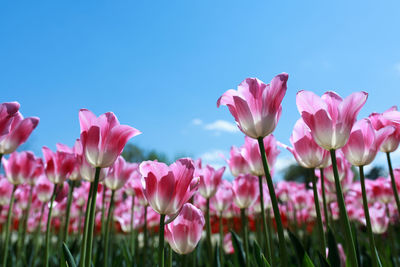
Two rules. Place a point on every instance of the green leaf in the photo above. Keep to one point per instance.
(259, 256)
(217, 262)
(302, 255)
(333, 255)
(239, 252)
(322, 260)
(68, 256)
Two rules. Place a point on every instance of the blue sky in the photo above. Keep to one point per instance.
(160, 66)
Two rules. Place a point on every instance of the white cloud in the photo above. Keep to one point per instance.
(282, 163)
(216, 159)
(397, 67)
(222, 126)
(197, 121)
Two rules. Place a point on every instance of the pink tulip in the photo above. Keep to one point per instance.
(76, 151)
(167, 188)
(330, 117)
(58, 165)
(305, 150)
(5, 191)
(210, 179)
(256, 106)
(364, 142)
(44, 189)
(245, 190)
(21, 167)
(391, 142)
(103, 138)
(251, 152)
(223, 197)
(342, 164)
(184, 233)
(14, 129)
(119, 173)
(379, 219)
(237, 163)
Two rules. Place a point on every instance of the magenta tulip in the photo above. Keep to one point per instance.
(237, 163)
(103, 138)
(391, 142)
(184, 233)
(58, 165)
(251, 152)
(305, 150)
(21, 167)
(364, 142)
(223, 197)
(167, 188)
(330, 117)
(245, 190)
(256, 106)
(14, 129)
(210, 179)
(119, 173)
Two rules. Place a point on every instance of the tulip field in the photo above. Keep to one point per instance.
(88, 206)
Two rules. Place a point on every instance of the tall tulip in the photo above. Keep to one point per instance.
(237, 163)
(14, 129)
(103, 139)
(310, 155)
(390, 144)
(330, 119)
(167, 188)
(184, 233)
(361, 149)
(245, 193)
(210, 179)
(119, 173)
(256, 107)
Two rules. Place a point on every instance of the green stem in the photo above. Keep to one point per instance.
(108, 227)
(161, 242)
(86, 227)
(8, 225)
(132, 233)
(274, 202)
(21, 241)
(92, 215)
(265, 231)
(367, 218)
(221, 240)
(169, 260)
(103, 211)
(343, 214)
(68, 211)
(322, 241)
(326, 215)
(37, 231)
(208, 231)
(145, 234)
(245, 236)
(48, 227)
(393, 182)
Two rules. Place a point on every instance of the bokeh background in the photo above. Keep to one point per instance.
(160, 66)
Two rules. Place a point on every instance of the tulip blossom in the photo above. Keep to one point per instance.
(210, 179)
(378, 121)
(305, 150)
(342, 165)
(119, 173)
(167, 188)
(330, 118)
(256, 106)
(364, 142)
(245, 190)
(6, 189)
(103, 138)
(21, 167)
(251, 152)
(14, 129)
(58, 165)
(223, 197)
(237, 163)
(44, 189)
(184, 233)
